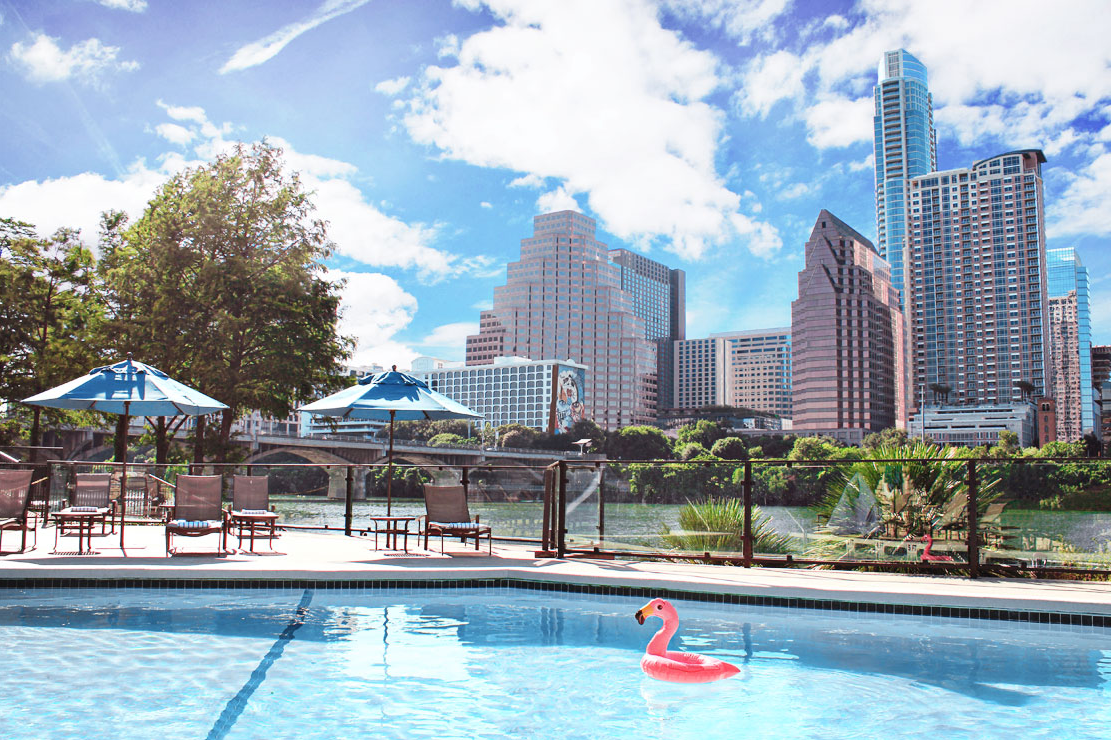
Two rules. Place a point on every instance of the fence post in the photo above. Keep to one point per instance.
(601, 503)
(973, 524)
(546, 528)
(349, 501)
(747, 492)
(561, 512)
(466, 482)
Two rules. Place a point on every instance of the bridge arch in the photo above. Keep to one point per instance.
(334, 466)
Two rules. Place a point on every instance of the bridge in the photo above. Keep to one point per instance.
(335, 452)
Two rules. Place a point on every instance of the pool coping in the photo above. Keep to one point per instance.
(329, 561)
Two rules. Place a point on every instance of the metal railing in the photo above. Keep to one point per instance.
(971, 516)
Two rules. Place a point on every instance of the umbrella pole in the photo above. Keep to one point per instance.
(389, 469)
(123, 471)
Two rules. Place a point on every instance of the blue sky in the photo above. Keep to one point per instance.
(706, 134)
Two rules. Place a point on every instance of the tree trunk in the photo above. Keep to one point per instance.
(36, 427)
(120, 454)
(226, 418)
(161, 442)
(198, 441)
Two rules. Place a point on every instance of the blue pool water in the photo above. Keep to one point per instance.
(523, 664)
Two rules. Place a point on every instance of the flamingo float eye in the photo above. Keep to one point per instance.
(659, 606)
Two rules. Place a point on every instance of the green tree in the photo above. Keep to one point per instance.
(227, 262)
(730, 448)
(690, 450)
(48, 315)
(447, 439)
(638, 443)
(702, 431)
(517, 435)
(892, 437)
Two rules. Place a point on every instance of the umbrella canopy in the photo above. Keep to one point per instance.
(390, 395)
(128, 387)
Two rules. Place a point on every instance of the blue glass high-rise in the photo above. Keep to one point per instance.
(1067, 275)
(905, 147)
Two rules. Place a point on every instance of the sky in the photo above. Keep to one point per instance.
(705, 134)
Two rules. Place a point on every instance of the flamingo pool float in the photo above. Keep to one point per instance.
(667, 665)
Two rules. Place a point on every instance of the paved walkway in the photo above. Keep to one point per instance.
(304, 555)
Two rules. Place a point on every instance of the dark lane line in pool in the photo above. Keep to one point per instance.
(236, 704)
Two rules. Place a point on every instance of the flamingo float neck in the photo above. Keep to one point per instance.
(659, 642)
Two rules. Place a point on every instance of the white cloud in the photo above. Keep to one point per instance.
(257, 52)
(527, 181)
(1082, 208)
(770, 79)
(43, 60)
(135, 6)
(485, 204)
(557, 200)
(741, 19)
(359, 229)
(392, 87)
(174, 133)
(837, 121)
(374, 308)
(796, 190)
(599, 97)
(1045, 86)
(451, 336)
(184, 113)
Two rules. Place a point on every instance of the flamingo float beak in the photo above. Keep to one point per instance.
(641, 614)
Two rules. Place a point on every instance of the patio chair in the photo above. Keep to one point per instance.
(15, 504)
(250, 510)
(90, 502)
(447, 515)
(196, 511)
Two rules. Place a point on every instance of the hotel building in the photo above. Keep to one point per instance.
(905, 146)
(510, 390)
(563, 300)
(1070, 343)
(845, 328)
(977, 301)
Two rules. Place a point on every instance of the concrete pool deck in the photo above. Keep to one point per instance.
(331, 557)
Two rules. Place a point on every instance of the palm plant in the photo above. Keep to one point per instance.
(717, 525)
(905, 490)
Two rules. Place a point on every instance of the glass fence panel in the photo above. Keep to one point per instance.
(510, 498)
(1054, 514)
(584, 497)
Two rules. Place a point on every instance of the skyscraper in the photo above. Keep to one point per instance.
(659, 297)
(905, 147)
(563, 300)
(845, 328)
(1070, 343)
(976, 298)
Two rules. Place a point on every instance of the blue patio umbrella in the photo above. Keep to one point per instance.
(388, 396)
(128, 388)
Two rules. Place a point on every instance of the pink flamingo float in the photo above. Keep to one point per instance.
(929, 557)
(668, 665)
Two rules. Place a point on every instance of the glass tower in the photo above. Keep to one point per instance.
(905, 147)
(1071, 337)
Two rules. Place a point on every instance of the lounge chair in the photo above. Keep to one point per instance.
(15, 504)
(447, 515)
(250, 510)
(196, 511)
(90, 502)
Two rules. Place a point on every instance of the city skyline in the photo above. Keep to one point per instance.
(704, 136)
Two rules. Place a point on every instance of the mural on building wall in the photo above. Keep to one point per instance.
(568, 385)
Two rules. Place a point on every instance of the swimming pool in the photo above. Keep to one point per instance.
(507, 663)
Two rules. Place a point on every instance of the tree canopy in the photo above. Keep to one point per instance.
(221, 278)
